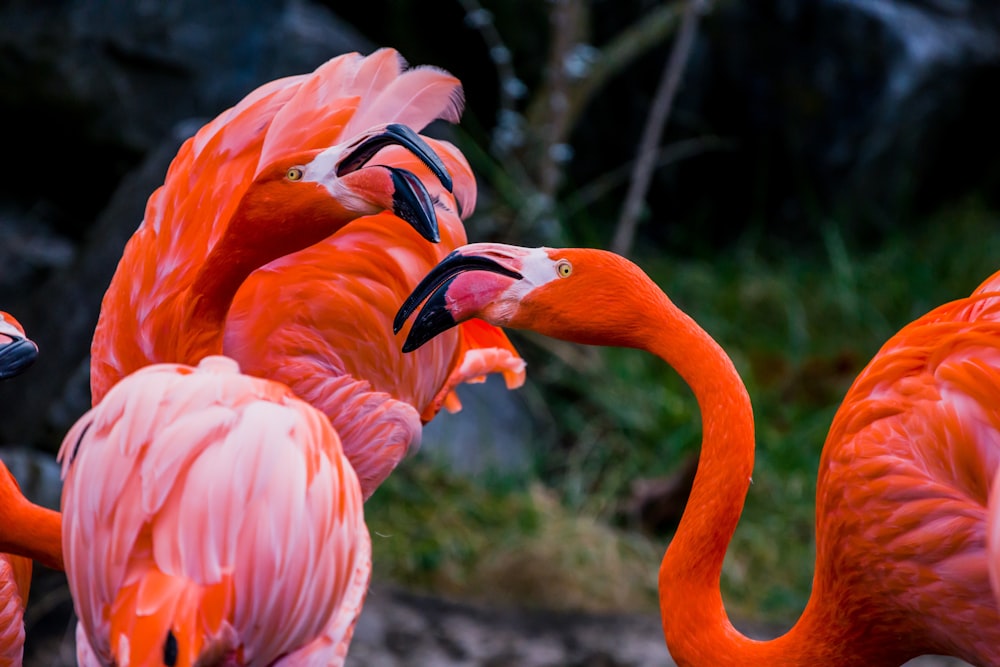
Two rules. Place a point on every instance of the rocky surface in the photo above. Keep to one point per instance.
(401, 629)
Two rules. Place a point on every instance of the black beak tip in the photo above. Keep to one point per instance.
(412, 202)
(16, 357)
(434, 319)
(409, 345)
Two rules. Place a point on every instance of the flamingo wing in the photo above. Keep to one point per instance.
(224, 506)
(905, 478)
(15, 581)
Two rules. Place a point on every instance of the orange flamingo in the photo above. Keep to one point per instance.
(217, 252)
(15, 585)
(17, 352)
(903, 504)
(226, 526)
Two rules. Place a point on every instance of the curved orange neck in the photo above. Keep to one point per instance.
(264, 227)
(205, 303)
(695, 624)
(31, 531)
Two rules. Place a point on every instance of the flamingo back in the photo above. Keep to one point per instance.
(905, 482)
(226, 521)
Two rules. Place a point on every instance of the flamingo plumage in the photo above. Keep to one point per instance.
(210, 517)
(291, 297)
(906, 505)
(17, 353)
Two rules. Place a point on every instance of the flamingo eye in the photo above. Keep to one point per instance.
(564, 268)
(294, 174)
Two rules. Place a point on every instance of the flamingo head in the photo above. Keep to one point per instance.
(576, 294)
(312, 194)
(17, 351)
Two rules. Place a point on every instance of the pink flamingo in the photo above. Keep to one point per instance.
(906, 520)
(210, 517)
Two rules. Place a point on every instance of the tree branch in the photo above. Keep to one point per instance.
(652, 132)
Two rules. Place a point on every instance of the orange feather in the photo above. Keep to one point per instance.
(907, 530)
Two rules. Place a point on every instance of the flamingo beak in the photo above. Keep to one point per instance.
(16, 355)
(411, 201)
(436, 317)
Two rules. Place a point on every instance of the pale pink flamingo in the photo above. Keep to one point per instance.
(211, 518)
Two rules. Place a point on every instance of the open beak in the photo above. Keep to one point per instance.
(435, 317)
(15, 355)
(411, 201)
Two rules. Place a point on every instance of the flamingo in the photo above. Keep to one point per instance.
(906, 520)
(17, 352)
(232, 247)
(225, 525)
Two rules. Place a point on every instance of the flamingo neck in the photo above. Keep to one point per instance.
(207, 300)
(33, 532)
(695, 624)
(263, 228)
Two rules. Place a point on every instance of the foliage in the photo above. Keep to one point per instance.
(503, 544)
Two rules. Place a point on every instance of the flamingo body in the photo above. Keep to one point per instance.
(907, 530)
(320, 321)
(17, 352)
(312, 311)
(905, 479)
(226, 527)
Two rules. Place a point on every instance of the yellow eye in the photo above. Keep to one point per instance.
(564, 268)
(294, 174)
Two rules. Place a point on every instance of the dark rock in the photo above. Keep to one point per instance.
(98, 90)
(94, 86)
(871, 112)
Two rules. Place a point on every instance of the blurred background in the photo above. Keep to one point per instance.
(803, 177)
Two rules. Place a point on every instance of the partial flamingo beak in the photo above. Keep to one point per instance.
(400, 135)
(411, 201)
(16, 351)
(435, 317)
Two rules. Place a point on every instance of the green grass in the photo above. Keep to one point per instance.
(799, 328)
